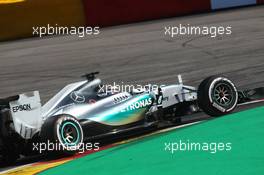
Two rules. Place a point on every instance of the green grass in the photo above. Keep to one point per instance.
(243, 130)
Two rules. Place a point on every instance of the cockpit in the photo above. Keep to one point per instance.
(79, 93)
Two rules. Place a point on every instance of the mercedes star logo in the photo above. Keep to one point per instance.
(77, 97)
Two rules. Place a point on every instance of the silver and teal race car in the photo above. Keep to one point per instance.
(88, 110)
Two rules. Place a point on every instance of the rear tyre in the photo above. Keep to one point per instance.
(10, 158)
(63, 131)
(217, 96)
(9, 152)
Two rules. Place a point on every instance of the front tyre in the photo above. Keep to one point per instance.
(217, 96)
(65, 132)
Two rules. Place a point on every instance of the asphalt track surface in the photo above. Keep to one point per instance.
(139, 54)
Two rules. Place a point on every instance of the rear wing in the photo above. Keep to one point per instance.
(26, 114)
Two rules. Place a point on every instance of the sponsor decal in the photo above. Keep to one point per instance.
(24, 107)
(138, 105)
(220, 108)
(77, 97)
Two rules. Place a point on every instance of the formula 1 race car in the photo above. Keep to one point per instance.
(88, 110)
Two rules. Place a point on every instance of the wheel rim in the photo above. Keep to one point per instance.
(223, 94)
(70, 134)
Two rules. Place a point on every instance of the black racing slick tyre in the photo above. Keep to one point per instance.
(64, 132)
(217, 96)
(10, 158)
(9, 150)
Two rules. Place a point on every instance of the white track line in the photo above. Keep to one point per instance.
(251, 102)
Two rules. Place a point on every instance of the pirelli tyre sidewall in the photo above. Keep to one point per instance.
(217, 96)
(57, 129)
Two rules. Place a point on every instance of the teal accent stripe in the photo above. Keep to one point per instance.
(121, 115)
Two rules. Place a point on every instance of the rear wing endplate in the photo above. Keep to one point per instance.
(26, 114)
